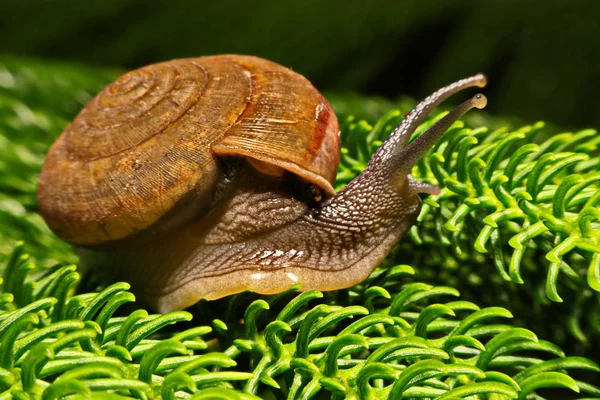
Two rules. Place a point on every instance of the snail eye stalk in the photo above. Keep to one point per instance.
(411, 154)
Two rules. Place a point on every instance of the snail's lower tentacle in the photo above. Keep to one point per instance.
(422, 187)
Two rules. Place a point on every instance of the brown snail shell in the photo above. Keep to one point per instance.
(150, 141)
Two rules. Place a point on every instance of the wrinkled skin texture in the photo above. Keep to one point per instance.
(265, 239)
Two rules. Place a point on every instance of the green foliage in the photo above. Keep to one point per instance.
(517, 200)
(37, 100)
(515, 225)
(381, 339)
(543, 197)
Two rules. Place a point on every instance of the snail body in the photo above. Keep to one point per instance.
(198, 178)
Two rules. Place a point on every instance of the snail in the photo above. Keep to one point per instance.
(198, 178)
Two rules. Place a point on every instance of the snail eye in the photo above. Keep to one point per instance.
(313, 193)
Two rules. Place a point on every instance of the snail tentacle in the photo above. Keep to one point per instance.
(411, 154)
(417, 115)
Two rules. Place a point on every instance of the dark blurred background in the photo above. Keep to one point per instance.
(542, 57)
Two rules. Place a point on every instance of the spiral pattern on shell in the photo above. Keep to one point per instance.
(137, 106)
(141, 156)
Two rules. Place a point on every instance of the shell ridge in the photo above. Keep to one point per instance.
(97, 101)
(162, 129)
(252, 87)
